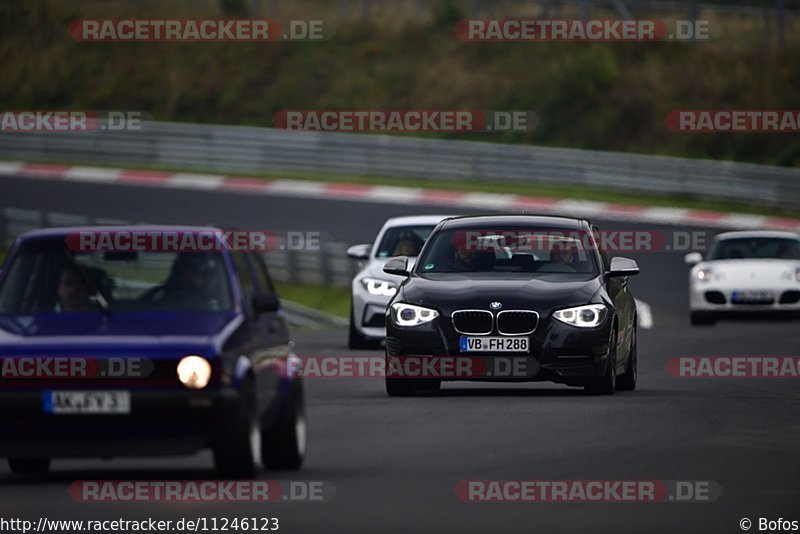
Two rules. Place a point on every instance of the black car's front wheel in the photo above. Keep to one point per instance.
(605, 384)
(408, 387)
(29, 466)
(627, 381)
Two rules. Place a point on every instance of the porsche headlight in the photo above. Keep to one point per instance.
(704, 275)
(194, 372)
(583, 316)
(791, 275)
(376, 286)
(409, 315)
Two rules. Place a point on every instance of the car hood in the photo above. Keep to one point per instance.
(76, 331)
(750, 271)
(463, 291)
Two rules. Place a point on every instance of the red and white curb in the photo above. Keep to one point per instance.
(399, 195)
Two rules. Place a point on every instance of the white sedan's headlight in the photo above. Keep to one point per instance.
(583, 316)
(376, 286)
(409, 315)
(791, 275)
(194, 372)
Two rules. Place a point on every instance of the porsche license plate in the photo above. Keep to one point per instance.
(752, 296)
(494, 344)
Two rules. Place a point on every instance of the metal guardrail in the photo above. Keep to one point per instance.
(327, 266)
(249, 149)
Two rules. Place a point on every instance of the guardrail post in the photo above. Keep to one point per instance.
(766, 27)
(326, 276)
(292, 266)
(44, 219)
(2, 228)
(583, 9)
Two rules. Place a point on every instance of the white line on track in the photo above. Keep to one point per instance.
(645, 314)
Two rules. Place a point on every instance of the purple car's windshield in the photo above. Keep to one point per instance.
(46, 277)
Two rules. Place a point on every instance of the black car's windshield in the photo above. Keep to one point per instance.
(534, 252)
(46, 277)
(755, 248)
(403, 240)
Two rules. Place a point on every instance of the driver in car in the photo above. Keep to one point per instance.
(189, 285)
(467, 258)
(73, 295)
(563, 255)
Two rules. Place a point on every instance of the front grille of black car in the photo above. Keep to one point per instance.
(516, 322)
(715, 297)
(475, 322)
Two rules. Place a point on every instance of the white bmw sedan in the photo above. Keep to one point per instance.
(745, 273)
(372, 288)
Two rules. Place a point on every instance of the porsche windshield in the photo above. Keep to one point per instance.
(756, 248)
(529, 251)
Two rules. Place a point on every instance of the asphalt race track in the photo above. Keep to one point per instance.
(395, 462)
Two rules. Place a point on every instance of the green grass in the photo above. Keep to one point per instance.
(333, 300)
(603, 96)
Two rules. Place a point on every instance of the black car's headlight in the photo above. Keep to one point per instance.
(409, 315)
(376, 286)
(583, 316)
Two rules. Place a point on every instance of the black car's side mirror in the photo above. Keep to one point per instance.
(266, 302)
(359, 252)
(398, 266)
(622, 267)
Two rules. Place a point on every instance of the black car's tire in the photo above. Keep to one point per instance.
(605, 384)
(237, 447)
(627, 381)
(429, 386)
(354, 338)
(400, 387)
(29, 466)
(283, 445)
(409, 387)
(699, 318)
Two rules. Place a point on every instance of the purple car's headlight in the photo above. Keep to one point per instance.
(194, 372)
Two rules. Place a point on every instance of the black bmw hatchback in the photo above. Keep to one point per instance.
(512, 298)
